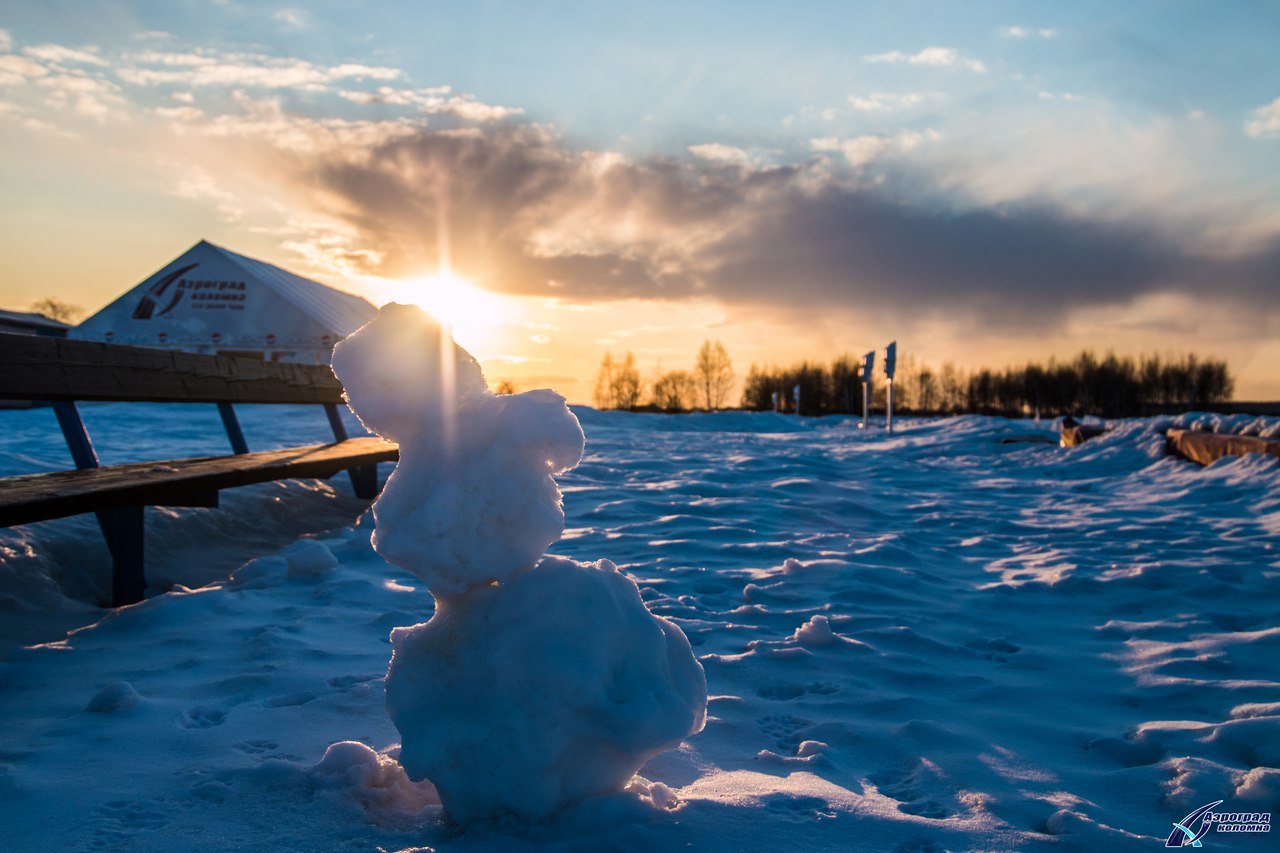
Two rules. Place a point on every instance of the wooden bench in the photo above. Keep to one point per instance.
(1073, 433)
(1205, 448)
(65, 372)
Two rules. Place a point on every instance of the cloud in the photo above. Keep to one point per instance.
(1017, 32)
(265, 119)
(62, 84)
(293, 18)
(199, 185)
(1264, 122)
(334, 252)
(180, 114)
(721, 153)
(886, 101)
(435, 100)
(6, 40)
(60, 55)
(527, 213)
(89, 96)
(1012, 229)
(16, 70)
(39, 126)
(156, 68)
(862, 150)
(938, 57)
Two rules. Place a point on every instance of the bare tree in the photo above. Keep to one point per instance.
(625, 384)
(927, 397)
(950, 385)
(675, 391)
(617, 383)
(714, 374)
(57, 309)
(506, 386)
(604, 383)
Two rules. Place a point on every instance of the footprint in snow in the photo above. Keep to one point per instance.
(257, 747)
(118, 820)
(290, 700)
(201, 717)
(917, 790)
(785, 730)
(798, 808)
(781, 692)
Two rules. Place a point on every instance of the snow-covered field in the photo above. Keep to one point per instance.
(931, 641)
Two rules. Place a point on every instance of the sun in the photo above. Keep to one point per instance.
(450, 298)
(470, 312)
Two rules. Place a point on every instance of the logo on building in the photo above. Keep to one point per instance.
(205, 294)
(146, 307)
(1190, 831)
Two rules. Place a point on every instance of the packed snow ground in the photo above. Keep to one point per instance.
(928, 642)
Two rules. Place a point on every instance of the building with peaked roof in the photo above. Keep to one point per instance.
(30, 323)
(212, 300)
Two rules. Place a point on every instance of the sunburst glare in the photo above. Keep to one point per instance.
(472, 313)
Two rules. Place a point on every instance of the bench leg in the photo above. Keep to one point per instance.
(232, 425)
(365, 481)
(123, 528)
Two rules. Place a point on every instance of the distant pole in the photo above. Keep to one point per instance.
(888, 412)
(868, 363)
(796, 391)
(890, 362)
(775, 401)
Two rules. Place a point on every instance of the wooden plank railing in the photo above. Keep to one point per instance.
(39, 368)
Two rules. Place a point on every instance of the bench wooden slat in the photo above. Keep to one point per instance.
(35, 497)
(40, 368)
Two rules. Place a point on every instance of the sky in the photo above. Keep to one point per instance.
(984, 182)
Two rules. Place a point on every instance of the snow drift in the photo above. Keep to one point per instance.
(535, 684)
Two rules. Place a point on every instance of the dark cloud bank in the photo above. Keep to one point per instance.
(529, 214)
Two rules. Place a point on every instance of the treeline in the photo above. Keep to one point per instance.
(1111, 386)
(707, 386)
